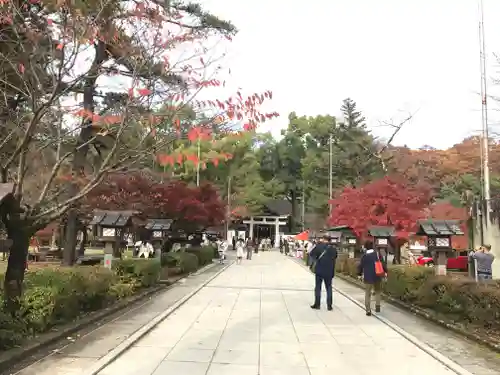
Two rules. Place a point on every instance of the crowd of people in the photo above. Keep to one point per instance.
(297, 248)
(244, 248)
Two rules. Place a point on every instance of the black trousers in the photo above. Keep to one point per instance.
(317, 290)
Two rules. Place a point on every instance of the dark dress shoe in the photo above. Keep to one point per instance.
(315, 307)
(368, 313)
(330, 308)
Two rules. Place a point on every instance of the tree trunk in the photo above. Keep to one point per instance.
(20, 235)
(293, 218)
(70, 234)
(81, 152)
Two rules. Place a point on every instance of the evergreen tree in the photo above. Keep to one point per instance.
(354, 117)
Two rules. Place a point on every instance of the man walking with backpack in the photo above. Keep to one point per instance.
(373, 269)
(323, 257)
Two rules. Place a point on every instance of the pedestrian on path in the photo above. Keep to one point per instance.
(323, 258)
(240, 250)
(250, 245)
(367, 269)
(222, 248)
(484, 259)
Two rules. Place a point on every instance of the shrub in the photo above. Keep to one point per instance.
(54, 295)
(121, 290)
(204, 254)
(404, 282)
(171, 260)
(188, 262)
(12, 329)
(139, 272)
(185, 261)
(346, 265)
(453, 297)
(462, 299)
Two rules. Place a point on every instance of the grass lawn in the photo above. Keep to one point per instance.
(31, 265)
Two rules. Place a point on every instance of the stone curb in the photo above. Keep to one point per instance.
(423, 314)
(127, 343)
(10, 357)
(421, 345)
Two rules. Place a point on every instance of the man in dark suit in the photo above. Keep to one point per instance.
(324, 256)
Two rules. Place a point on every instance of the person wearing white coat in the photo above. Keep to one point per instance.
(240, 251)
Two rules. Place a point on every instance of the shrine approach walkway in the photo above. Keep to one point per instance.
(255, 318)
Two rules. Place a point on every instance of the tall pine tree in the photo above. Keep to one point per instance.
(357, 146)
(353, 117)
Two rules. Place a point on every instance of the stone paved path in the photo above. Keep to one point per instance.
(255, 319)
(77, 353)
(475, 358)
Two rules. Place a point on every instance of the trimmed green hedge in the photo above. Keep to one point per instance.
(186, 261)
(204, 254)
(138, 272)
(455, 298)
(190, 259)
(58, 295)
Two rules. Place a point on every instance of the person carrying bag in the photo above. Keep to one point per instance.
(372, 269)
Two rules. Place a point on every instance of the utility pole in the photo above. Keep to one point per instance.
(228, 212)
(484, 115)
(303, 206)
(330, 171)
(198, 164)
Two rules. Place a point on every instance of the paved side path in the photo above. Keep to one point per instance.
(85, 348)
(255, 319)
(475, 358)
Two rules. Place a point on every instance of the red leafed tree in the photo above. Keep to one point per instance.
(387, 201)
(191, 207)
(446, 211)
(82, 84)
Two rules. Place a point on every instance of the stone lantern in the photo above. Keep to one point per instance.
(351, 243)
(348, 239)
(439, 234)
(381, 236)
(334, 237)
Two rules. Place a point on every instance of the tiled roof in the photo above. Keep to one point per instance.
(381, 231)
(439, 228)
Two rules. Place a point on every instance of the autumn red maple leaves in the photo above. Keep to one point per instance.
(148, 196)
(387, 201)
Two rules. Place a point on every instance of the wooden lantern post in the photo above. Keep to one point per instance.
(439, 234)
(351, 243)
(381, 236)
(334, 237)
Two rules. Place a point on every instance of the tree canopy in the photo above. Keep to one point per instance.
(91, 89)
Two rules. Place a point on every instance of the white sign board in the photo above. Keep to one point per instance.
(442, 242)
(157, 233)
(108, 232)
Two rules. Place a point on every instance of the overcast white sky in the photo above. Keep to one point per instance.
(391, 56)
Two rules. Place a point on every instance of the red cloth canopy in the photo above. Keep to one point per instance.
(303, 236)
